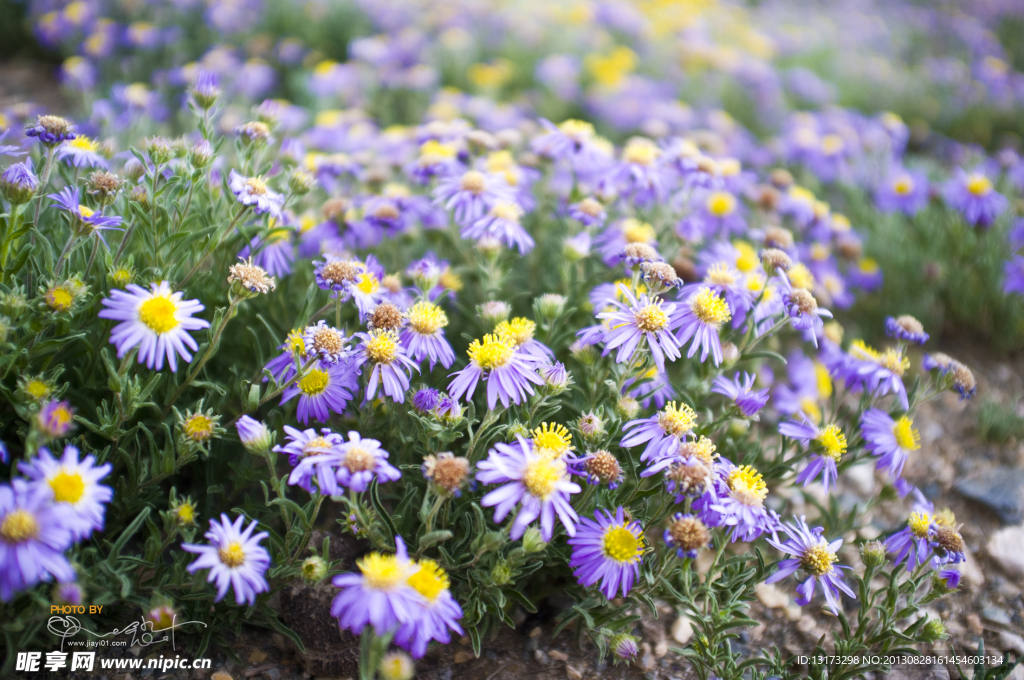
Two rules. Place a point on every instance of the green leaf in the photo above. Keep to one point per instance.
(434, 537)
(379, 507)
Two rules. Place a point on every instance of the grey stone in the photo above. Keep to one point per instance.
(1000, 489)
(996, 615)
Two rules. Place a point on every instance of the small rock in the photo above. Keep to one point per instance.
(463, 656)
(869, 532)
(535, 632)
(682, 630)
(807, 625)
(1006, 547)
(541, 657)
(573, 674)
(221, 675)
(558, 656)
(661, 648)
(974, 624)
(994, 614)
(272, 674)
(972, 573)
(464, 641)
(257, 657)
(794, 612)
(861, 479)
(1000, 489)
(771, 596)
(1011, 641)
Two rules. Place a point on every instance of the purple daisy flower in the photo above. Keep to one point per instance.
(437, 612)
(423, 337)
(157, 321)
(94, 220)
(378, 596)
(325, 343)
(817, 557)
(539, 483)
(360, 460)
(891, 440)
(687, 534)
(663, 432)
(1014, 270)
(315, 456)
(234, 557)
(81, 152)
(34, 533)
(56, 419)
(804, 312)
(508, 373)
(913, 541)
(7, 149)
(282, 367)
(974, 196)
(501, 222)
(253, 191)
(740, 391)
(607, 550)
(703, 313)
(18, 183)
(323, 388)
(828, 445)
(738, 502)
(472, 195)
(386, 354)
(880, 372)
(906, 328)
(589, 212)
(75, 484)
(642, 319)
(904, 191)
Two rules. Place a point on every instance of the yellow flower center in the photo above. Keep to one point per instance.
(832, 144)
(801, 277)
(37, 389)
(382, 347)
(381, 572)
(721, 204)
(709, 308)
(817, 560)
(159, 314)
(677, 420)
(493, 352)
(747, 485)
(85, 211)
(427, 318)
(824, 380)
(747, 260)
(18, 526)
(907, 437)
(552, 438)
(978, 184)
(801, 194)
(232, 554)
(831, 442)
(473, 182)
(358, 459)
(450, 280)
(59, 299)
(811, 409)
(650, 318)
(945, 518)
(641, 152)
(186, 513)
(516, 332)
(315, 445)
(506, 211)
(577, 129)
(621, 544)
(894, 360)
(199, 427)
(703, 448)
(430, 580)
(903, 185)
(636, 231)
(83, 143)
(433, 151)
(295, 344)
(368, 283)
(314, 382)
(542, 475)
(720, 274)
(257, 186)
(68, 487)
(919, 523)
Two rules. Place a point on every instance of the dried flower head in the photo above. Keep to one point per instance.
(251, 278)
(385, 317)
(660, 273)
(447, 471)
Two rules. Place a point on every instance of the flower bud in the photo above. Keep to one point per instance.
(873, 554)
(139, 195)
(201, 155)
(933, 631)
(583, 353)
(501, 573)
(249, 280)
(18, 183)
(627, 407)
(104, 186)
(253, 133)
(495, 311)
(205, 92)
(532, 541)
(314, 569)
(550, 305)
(300, 182)
(159, 150)
(555, 376)
(255, 436)
(68, 593)
(134, 169)
(161, 617)
(396, 665)
(591, 426)
(624, 647)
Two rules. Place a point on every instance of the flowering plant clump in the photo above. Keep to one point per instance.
(483, 341)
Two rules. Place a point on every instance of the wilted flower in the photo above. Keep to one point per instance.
(51, 130)
(687, 534)
(251, 279)
(447, 471)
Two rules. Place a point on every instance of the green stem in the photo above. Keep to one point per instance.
(124, 241)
